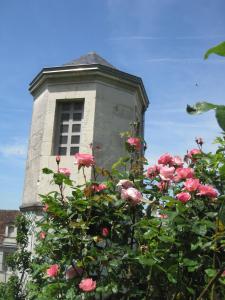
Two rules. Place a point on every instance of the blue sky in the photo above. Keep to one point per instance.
(163, 41)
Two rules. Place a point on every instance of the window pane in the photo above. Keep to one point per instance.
(64, 128)
(77, 116)
(65, 106)
(75, 139)
(78, 106)
(65, 117)
(74, 150)
(63, 139)
(76, 128)
(62, 151)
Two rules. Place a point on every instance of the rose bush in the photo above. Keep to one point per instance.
(156, 235)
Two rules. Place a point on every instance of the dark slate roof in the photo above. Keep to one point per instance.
(91, 58)
(6, 217)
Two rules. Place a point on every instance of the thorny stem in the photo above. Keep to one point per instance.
(132, 232)
(85, 178)
(211, 282)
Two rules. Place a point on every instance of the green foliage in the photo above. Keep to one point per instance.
(202, 107)
(160, 248)
(218, 50)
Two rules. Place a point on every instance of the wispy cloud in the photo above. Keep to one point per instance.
(182, 60)
(142, 37)
(15, 149)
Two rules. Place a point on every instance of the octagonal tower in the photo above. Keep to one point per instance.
(86, 101)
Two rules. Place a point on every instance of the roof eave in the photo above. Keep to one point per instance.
(104, 70)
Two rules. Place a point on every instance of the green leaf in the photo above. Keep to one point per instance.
(200, 107)
(221, 214)
(218, 49)
(147, 261)
(210, 272)
(47, 171)
(220, 116)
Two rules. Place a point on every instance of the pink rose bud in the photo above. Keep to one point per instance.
(199, 141)
(42, 235)
(134, 142)
(183, 197)
(87, 285)
(167, 173)
(193, 152)
(53, 271)
(45, 207)
(105, 231)
(207, 190)
(184, 173)
(84, 160)
(57, 159)
(165, 159)
(65, 171)
(191, 185)
(132, 195)
(99, 187)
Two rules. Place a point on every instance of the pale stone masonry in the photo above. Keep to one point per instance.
(111, 100)
(7, 240)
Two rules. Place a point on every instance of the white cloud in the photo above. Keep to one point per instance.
(142, 37)
(182, 60)
(16, 150)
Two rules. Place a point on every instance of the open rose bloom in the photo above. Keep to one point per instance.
(65, 171)
(87, 285)
(53, 271)
(134, 142)
(207, 191)
(183, 197)
(84, 160)
(132, 195)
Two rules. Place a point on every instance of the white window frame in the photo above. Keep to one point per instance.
(69, 122)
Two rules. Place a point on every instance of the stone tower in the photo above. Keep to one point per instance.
(86, 101)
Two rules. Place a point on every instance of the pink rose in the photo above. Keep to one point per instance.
(42, 235)
(134, 142)
(183, 197)
(193, 152)
(105, 231)
(152, 171)
(124, 184)
(45, 207)
(57, 159)
(99, 187)
(84, 160)
(162, 186)
(65, 171)
(165, 159)
(207, 190)
(53, 271)
(163, 216)
(87, 285)
(184, 173)
(191, 184)
(177, 161)
(132, 195)
(166, 173)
